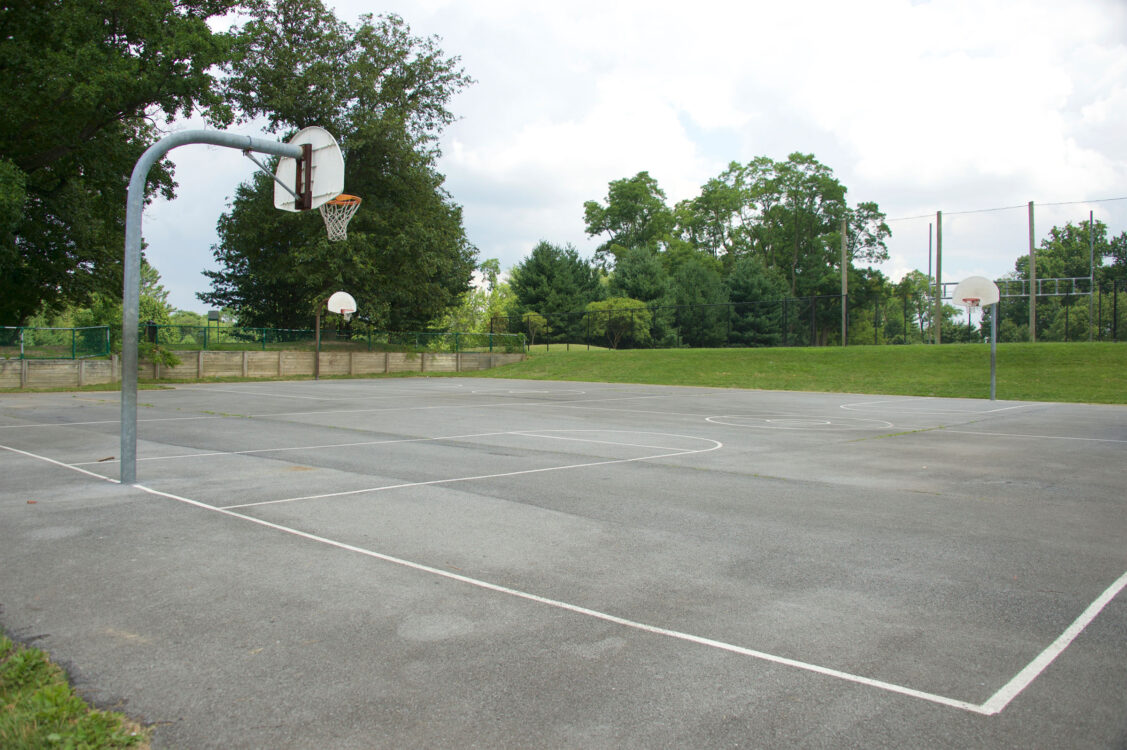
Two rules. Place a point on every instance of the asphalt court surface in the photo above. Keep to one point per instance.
(489, 563)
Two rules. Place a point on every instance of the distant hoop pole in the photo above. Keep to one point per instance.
(131, 284)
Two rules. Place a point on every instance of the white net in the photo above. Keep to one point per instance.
(337, 214)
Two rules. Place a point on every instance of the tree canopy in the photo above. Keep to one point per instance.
(384, 93)
(85, 82)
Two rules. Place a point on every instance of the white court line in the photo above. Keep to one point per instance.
(111, 421)
(60, 463)
(857, 406)
(577, 609)
(452, 480)
(253, 451)
(271, 415)
(994, 705)
(1034, 437)
(1025, 677)
(536, 433)
(249, 392)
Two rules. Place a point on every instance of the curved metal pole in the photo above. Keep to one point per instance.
(131, 287)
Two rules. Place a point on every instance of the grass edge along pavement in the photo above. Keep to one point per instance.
(39, 709)
(1076, 372)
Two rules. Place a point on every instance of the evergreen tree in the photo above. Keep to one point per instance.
(555, 282)
(757, 298)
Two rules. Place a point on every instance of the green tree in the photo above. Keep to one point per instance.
(756, 295)
(384, 93)
(534, 324)
(480, 304)
(914, 293)
(85, 81)
(701, 299)
(1066, 252)
(635, 216)
(621, 320)
(788, 214)
(555, 282)
(640, 274)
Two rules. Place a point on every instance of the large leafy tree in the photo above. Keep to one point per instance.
(788, 214)
(1066, 252)
(384, 94)
(635, 216)
(84, 82)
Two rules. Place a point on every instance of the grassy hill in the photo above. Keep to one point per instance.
(1076, 372)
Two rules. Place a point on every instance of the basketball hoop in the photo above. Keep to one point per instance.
(337, 213)
(971, 301)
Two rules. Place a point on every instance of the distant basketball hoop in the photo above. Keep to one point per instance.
(337, 213)
(980, 292)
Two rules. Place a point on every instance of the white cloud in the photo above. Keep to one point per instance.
(920, 106)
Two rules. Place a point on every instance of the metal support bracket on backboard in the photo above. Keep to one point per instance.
(304, 177)
(262, 168)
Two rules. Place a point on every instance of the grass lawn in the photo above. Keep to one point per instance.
(38, 709)
(1073, 372)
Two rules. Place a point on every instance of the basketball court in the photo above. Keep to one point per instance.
(426, 561)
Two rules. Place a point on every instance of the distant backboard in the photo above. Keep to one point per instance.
(341, 303)
(325, 171)
(975, 291)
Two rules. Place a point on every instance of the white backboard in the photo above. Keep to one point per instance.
(975, 291)
(341, 302)
(327, 170)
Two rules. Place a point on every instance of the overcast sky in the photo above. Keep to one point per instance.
(951, 105)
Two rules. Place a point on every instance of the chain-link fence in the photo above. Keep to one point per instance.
(1110, 311)
(218, 338)
(26, 342)
(817, 321)
(796, 321)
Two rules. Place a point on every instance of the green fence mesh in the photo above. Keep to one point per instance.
(23, 342)
(186, 338)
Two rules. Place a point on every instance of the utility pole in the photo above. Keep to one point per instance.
(1032, 280)
(1091, 271)
(938, 322)
(844, 285)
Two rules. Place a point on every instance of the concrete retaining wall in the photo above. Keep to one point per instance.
(201, 365)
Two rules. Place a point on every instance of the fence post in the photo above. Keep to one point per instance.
(73, 352)
(813, 313)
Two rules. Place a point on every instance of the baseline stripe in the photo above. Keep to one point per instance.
(604, 616)
(1033, 670)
